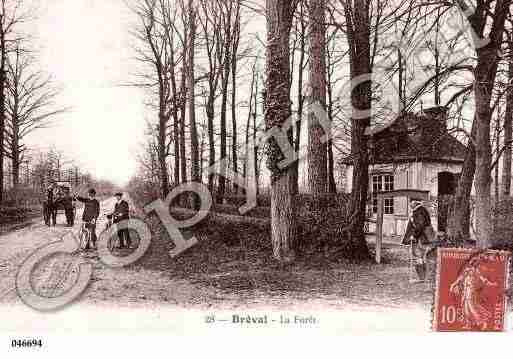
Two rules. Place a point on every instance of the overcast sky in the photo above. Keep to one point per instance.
(86, 47)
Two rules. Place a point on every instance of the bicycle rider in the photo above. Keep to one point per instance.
(90, 214)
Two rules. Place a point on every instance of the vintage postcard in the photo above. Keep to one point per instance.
(191, 167)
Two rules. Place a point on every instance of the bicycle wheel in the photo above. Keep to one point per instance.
(85, 238)
(111, 243)
(81, 237)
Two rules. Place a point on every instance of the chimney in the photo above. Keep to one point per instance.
(437, 118)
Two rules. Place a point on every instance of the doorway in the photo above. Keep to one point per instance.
(447, 184)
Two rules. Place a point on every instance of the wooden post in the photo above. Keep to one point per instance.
(379, 229)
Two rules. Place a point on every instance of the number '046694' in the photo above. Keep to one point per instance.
(26, 343)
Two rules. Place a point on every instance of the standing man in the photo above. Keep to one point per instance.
(90, 214)
(66, 201)
(419, 227)
(50, 210)
(121, 213)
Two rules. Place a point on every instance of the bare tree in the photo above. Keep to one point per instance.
(227, 9)
(213, 43)
(191, 97)
(357, 28)
(155, 32)
(30, 105)
(484, 79)
(234, 62)
(11, 15)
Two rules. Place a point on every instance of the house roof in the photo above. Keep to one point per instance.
(414, 138)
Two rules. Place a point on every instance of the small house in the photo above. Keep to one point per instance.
(414, 151)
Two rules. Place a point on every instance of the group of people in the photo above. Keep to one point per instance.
(58, 198)
(90, 213)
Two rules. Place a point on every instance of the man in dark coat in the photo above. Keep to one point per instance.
(90, 214)
(67, 203)
(50, 209)
(419, 234)
(121, 213)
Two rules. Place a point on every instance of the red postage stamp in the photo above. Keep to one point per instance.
(470, 292)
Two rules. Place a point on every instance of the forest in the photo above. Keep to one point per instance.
(229, 83)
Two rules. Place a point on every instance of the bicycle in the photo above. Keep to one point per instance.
(85, 236)
(111, 245)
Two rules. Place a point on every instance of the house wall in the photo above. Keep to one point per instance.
(413, 175)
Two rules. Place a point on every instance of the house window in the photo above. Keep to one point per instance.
(382, 183)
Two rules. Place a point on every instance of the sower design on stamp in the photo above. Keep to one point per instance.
(471, 290)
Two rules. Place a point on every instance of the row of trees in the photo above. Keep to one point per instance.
(366, 61)
(29, 100)
(27, 94)
(39, 168)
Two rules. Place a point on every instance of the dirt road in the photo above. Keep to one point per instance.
(139, 285)
(108, 285)
(382, 289)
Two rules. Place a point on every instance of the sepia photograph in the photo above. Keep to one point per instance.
(239, 166)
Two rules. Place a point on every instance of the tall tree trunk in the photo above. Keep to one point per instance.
(332, 186)
(183, 106)
(247, 162)
(477, 162)
(15, 159)
(234, 117)
(3, 59)
(359, 37)
(176, 121)
(300, 97)
(235, 51)
(176, 147)
(497, 150)
(225, 79)
(484, 223)
(162, 156)
(508, 129)
(458, 222)
(484, 79)
(317, 149)
(279, 15)
(255, 148)
(211, 141)
(195, 170)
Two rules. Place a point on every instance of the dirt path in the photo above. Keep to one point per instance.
(108, 285)
(347, 287)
